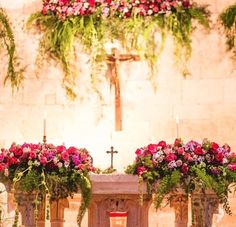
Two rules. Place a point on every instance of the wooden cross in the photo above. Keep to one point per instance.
(112, 151)
(113, 60)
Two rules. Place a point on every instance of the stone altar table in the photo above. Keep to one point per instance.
(121, 193)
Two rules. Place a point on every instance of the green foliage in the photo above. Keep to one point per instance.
(14, 72)
(228, 20)
(217, 184)
(136, 33)
(166, 185)
(29, 181)
(86, 192)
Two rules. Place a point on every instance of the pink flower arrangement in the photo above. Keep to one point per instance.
(46, 156)
(164, 157)
(186, 165)
(121, 8)
(48, 170)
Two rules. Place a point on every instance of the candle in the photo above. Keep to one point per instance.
(44, 123)
(177, 125)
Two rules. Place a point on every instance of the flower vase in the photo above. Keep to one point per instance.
(204, 206)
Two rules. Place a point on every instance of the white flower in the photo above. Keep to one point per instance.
(59, 164)
(66, 164)
(36, 163)
(150, 12)
(26, 149)
(6, 172)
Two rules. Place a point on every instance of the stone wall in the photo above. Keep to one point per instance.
(205, 101)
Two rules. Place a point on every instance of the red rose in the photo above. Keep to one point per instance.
(214, 147)
(18, 152)
(219, 157)
(198, 150)
(12, 161)
(180, 150)
(186, 4)
(72, 150)
(60, 149)
(184, 168)
(2, 167)
(91, 3)
(162, 144)
(170, 157)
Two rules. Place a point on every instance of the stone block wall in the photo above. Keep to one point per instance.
(205, 101)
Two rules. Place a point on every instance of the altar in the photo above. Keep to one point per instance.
(120, 194)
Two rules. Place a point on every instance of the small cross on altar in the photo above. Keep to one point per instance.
(113, 60)
(112, 151)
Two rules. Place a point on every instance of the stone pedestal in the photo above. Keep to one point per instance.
(180, 204)
(26, 206)
(203, 208)
(57, 212)
(117, 193)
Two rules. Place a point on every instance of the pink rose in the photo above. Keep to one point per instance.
(43, 160)
(65, 156)
(139, 152)
(32, 155)
(232, 166)
(152, 148)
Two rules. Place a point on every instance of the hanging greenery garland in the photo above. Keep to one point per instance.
(228, 20)
(14, 73)
(134, 23)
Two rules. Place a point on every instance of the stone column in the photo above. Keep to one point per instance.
(57, 212)
(180, 204)
(204, 205)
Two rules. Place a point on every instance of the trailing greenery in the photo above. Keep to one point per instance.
(135, 32)
(14, 72)
(228, 20)
(167, 185)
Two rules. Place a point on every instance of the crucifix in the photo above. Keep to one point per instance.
(113, 60)
(112, 151)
